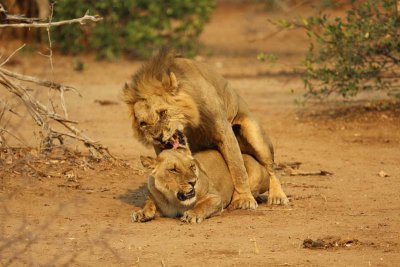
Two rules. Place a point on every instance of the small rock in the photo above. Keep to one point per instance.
(383, 174)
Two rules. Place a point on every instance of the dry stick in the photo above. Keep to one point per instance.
(40, 114)
(44, 83)
(3, 130)
(38, 110)
(81, 21)
(50, 57)
(12, 54)
(313, 173)
(24, 96)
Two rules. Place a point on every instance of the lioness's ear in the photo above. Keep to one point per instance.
(148, 162)
(170, 82)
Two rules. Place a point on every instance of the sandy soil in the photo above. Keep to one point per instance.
(80, 214)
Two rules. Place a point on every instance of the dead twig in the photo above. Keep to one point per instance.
(12, 54)
(3, 130)
(38, 172)
(6, 18)
(44, 83)
(285, 165)
(50, 57)
(291, 168)
(34, 24)
(313, 173)
(41, 116)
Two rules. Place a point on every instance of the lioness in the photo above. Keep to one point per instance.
(194, 188)
(174, 100)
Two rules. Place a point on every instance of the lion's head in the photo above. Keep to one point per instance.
(160, 109)
(175, 175)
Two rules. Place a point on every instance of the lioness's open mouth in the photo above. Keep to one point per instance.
(176, 140)
(185, 196)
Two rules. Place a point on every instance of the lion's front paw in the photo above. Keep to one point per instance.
(191, 217)
(243, 201)
(277, 197)
(142, 216)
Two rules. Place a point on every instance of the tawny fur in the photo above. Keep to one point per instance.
(171, 93)
(214, 188)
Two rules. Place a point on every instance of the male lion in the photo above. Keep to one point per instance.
(174, 100)
(194, 188)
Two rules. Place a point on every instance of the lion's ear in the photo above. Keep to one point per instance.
(148, 162)
(128, 94)
(170, 82)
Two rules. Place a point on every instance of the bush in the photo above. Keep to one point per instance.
(287, 5)
(132, 26)
(359, 52)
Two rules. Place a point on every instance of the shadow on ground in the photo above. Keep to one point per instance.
(136, 197)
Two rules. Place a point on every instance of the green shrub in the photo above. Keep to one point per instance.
(288, 5)
(355, 53)
(132, 26)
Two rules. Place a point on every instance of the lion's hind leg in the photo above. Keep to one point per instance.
(253, 140)
(258, 178)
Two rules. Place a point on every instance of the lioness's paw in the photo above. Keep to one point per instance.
(277, 198)
(141, 216)
(191, 217)
(243, 201)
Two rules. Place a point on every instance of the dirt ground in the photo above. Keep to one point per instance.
(78, 212)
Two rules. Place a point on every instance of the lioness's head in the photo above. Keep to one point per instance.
(160, 108)
(175, 175)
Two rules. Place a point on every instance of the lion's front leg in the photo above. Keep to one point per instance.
(146, 214)
(204, 208)
(229, 147)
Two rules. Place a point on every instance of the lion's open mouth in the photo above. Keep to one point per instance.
(176, 140)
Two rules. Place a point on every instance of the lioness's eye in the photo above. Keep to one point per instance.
(142, 123)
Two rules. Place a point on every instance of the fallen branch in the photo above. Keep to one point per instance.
(34, 24)
(314, 173)
(41, 116)
(286, 165)
(5, 17)
(3, 130)
(290, 168)
(44, 83)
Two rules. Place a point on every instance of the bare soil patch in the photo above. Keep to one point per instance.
(67, 209)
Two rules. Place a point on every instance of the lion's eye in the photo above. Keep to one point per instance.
(173, 170)
(143, 124)
(193, 167)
